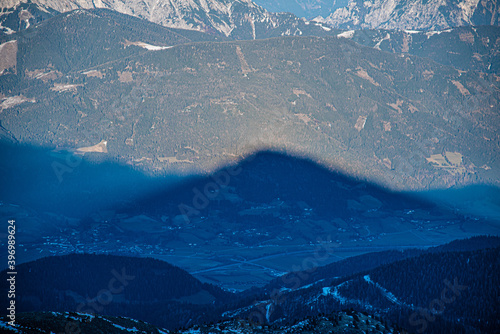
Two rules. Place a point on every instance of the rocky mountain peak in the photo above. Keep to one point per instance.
(413, 14)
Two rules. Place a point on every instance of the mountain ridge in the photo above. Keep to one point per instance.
(342, 102)
(302, 8)
(237, 19)
(245, 146)
(413, 14)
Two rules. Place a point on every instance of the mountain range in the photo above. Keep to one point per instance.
(398, 14)
(236, 19)
(397, 119)
(229, 166)
(245, 19)
(463, 48)
(303, 8)
(413, 14)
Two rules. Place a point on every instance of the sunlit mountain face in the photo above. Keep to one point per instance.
(218, 166)
(395, 15)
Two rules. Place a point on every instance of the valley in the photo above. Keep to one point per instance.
(225, 166)
(383, 283)
(237, 238)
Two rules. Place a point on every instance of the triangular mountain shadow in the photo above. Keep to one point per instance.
(60, 182)
(271, 178)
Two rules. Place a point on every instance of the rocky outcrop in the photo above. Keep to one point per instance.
(413, 14)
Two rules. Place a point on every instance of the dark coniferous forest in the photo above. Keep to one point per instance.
(231, 166)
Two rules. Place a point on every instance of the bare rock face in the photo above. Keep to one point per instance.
(414, 14)
(200, 15)
(303, 8)
(225, 17)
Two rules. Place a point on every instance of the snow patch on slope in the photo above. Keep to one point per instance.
(149, 46)
(387, 37)
(346, 34)
(13, 101)
(387, 294)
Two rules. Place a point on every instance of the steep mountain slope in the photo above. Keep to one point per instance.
(303, 8)
(403, 121)
(63, 44)
(413, 14)
(464, 48)
(444, 292)
(238, 19)
(22, 16)
(361, 263)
